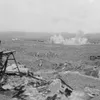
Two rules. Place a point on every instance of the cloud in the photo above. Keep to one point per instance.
(49, 15)
(58, 19)
(91, 1)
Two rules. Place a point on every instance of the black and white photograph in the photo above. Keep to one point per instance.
(49, 49)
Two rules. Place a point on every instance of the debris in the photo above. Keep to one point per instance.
(63, 82)
(92, 91)
(13, 68)
(27, 87)
(19, 92)
(7, 86)
(67, 92)
(55, 86)
(52, 97)
(77, 95)
(32, 86)
(8, 55)
(14, 99)
(30, 91)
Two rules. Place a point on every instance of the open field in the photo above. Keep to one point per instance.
(27, 49)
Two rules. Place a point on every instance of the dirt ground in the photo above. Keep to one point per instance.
(29, 53)
(25, 51)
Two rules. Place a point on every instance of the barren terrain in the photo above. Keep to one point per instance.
(53, 58)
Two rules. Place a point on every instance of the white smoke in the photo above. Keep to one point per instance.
(77, 40)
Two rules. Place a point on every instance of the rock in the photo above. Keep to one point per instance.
(13, 68)
(76, 95)
(55, 86)
(79, 95)
(7, 86)
(14, 99)
(30, 91)
(92, 91)
(52, 97)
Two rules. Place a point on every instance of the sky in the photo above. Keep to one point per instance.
(50, 15)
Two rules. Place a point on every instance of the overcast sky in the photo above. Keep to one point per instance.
(50, 15)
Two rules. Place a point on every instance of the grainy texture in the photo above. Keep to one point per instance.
(45, 58)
